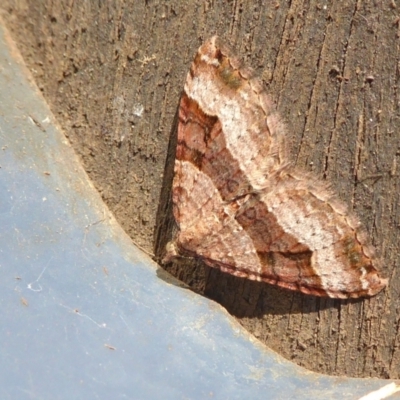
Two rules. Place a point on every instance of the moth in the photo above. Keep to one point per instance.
(241, 206)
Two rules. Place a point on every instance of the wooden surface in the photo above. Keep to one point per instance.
(113, 73)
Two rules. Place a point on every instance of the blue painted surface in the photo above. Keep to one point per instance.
(84, 313)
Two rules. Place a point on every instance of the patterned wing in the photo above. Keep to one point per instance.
(238, 205)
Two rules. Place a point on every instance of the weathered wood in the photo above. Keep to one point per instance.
(113, 72)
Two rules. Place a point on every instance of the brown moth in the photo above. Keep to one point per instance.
(239, 204)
